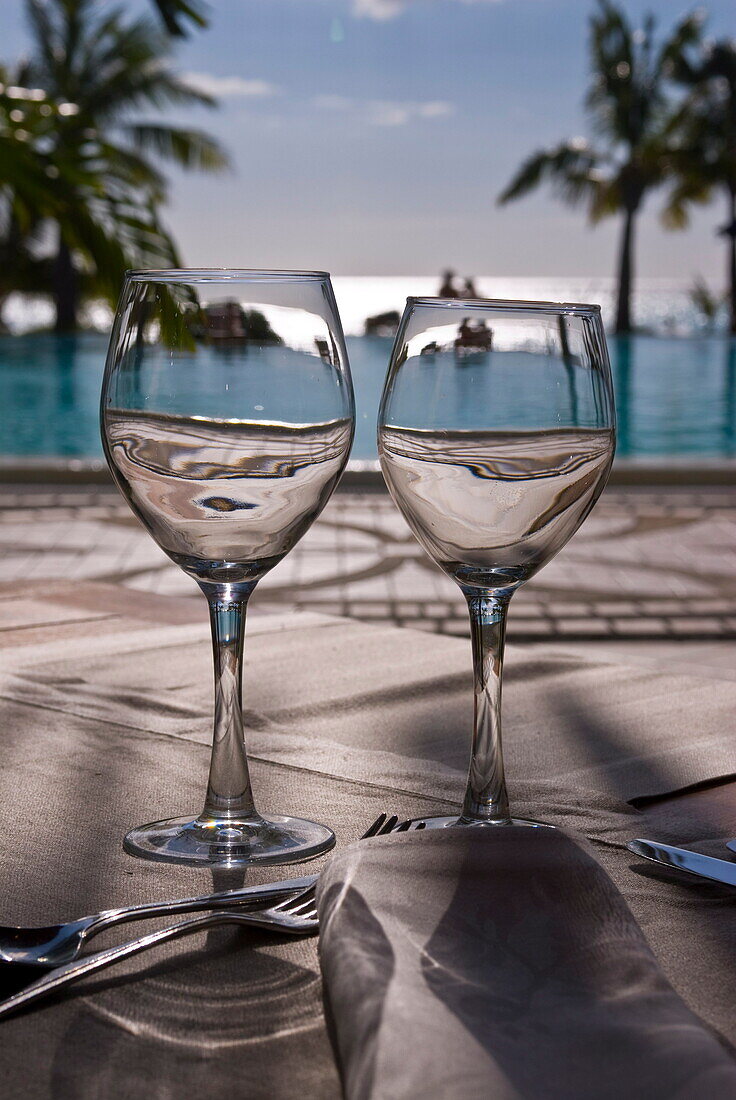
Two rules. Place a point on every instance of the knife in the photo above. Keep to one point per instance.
(682, 859)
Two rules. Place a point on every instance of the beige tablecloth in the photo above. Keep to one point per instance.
(105, 723)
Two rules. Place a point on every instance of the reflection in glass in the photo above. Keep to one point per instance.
(495, 458)
(227, 419)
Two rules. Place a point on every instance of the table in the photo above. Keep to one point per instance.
(106, 723)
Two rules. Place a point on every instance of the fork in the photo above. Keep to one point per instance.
(295, 916)
(56, 944)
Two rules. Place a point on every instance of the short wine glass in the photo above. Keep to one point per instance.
(496, 434)
(227, 418)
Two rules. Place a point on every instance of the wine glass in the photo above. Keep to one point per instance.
(496, 434)
(227, 418)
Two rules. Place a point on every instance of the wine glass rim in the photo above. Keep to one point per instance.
(223, 275)
(505, 304)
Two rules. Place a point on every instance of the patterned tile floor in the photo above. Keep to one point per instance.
(648, 565)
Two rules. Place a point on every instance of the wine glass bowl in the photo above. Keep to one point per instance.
(226, 442)
(496, 436)
(227, 418)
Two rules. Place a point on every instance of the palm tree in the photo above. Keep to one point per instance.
(26, 117)
(704, 160)
(630, 113)
(102, 69)
(32, 187)
(107, 220)
(175, 13)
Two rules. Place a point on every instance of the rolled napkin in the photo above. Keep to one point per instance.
(497, 964)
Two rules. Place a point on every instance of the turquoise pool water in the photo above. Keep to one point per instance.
(676, 396)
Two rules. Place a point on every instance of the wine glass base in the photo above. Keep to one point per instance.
(224, 843)
(456, 819)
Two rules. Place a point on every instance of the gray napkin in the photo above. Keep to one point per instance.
(500, 963)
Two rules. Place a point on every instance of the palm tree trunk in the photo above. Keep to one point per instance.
(66, 289)
(731, 238)
(625, 274)
(11, 249)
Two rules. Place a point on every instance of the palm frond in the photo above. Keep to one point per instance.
(189, 149)
(704, 134)
(120, 168)
(688, 190)
(176, 13)
(677, 53)
(607, 199)
(44, 33)
(110, 65)
(571, 168)
(148, 84)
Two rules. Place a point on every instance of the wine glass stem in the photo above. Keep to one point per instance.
(485, 797)
(229, 793)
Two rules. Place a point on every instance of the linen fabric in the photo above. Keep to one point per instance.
(500, 963)
(106, 723)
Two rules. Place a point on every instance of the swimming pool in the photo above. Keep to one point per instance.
(676, 396)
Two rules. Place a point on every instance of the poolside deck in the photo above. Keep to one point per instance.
(652, 571)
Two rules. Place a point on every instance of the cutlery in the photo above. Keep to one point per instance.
(296, 916)
(682, 859)
(56, 944)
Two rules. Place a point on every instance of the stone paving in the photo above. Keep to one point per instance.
(655, 564)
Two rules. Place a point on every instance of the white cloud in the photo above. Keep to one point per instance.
(332, 102)
(378, 9)
(436, 108)
(389, 9)
(230, 87)
(382, 112)
(385, 112)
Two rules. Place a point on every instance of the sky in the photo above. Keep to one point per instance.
(372, 137)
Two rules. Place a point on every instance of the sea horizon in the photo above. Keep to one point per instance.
(659, 304)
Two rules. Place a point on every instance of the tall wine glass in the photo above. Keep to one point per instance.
(496, 436)
(227, 418)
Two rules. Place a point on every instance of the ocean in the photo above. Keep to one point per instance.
(660, 305)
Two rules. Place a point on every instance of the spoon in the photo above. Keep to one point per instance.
(56, 944)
